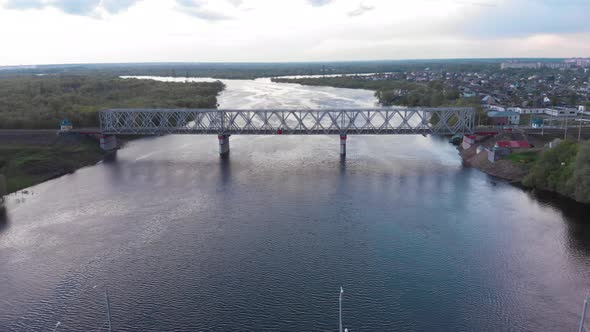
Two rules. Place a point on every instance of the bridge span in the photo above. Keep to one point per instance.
(227, 122)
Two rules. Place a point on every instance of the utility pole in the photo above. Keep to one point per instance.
(580, 129)
(565, 131)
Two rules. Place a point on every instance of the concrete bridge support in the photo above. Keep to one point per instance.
(108, 142)
(343, 145)
(223, 145)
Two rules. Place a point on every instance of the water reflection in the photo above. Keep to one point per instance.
(576, 217)
(110, 157)
(3, 219)
(198, 242)
(225, 169)
(342, 166)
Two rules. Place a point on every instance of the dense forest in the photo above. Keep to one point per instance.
(252, 70)
(564, 169)
(42, 101)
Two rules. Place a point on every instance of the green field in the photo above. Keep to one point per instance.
(523, 157)
(25, 165)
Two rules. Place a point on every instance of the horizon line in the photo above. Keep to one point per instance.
(286, 62)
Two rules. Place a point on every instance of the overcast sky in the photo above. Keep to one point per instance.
(90, 31)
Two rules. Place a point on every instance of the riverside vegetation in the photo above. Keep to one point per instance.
(40, 102)
(564, 169)
(36, 102)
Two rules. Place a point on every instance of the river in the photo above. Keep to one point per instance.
(262, 241)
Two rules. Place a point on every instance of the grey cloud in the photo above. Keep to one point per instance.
(73, 7)
(361, 9)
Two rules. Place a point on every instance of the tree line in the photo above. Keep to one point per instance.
(399, 92)
(254, 70)
(36, 102)
(564, 169)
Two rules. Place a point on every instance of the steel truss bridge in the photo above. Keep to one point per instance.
(226, 122)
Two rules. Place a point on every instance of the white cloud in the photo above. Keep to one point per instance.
(361, 9)
(270, 30)
(218, 10)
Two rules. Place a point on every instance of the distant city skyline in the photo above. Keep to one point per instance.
(119, 31)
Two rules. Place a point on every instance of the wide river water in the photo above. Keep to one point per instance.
(186, 241)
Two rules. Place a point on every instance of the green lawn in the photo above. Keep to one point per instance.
(523, 157)
(26, 165)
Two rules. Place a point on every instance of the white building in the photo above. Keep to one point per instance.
(558, 111)
(578, 62)
(529, 110)
(520, 65)
(561, 111)
(496, 108)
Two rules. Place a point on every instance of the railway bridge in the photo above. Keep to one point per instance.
(227, 122)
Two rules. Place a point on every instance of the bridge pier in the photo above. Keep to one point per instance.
(223, 145)
(108, 142)
(343, 145)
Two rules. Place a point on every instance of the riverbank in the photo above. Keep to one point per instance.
(28, 158)
(504, 169)
(562, 169)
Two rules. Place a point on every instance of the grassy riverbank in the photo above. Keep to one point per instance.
(26, 164)
(565, 169)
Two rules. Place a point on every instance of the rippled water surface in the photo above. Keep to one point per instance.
(262, 241)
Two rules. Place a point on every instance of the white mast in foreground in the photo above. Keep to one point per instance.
(584, 313)
(340, 308)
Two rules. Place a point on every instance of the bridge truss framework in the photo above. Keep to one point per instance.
(373, 121)
(224, 123)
